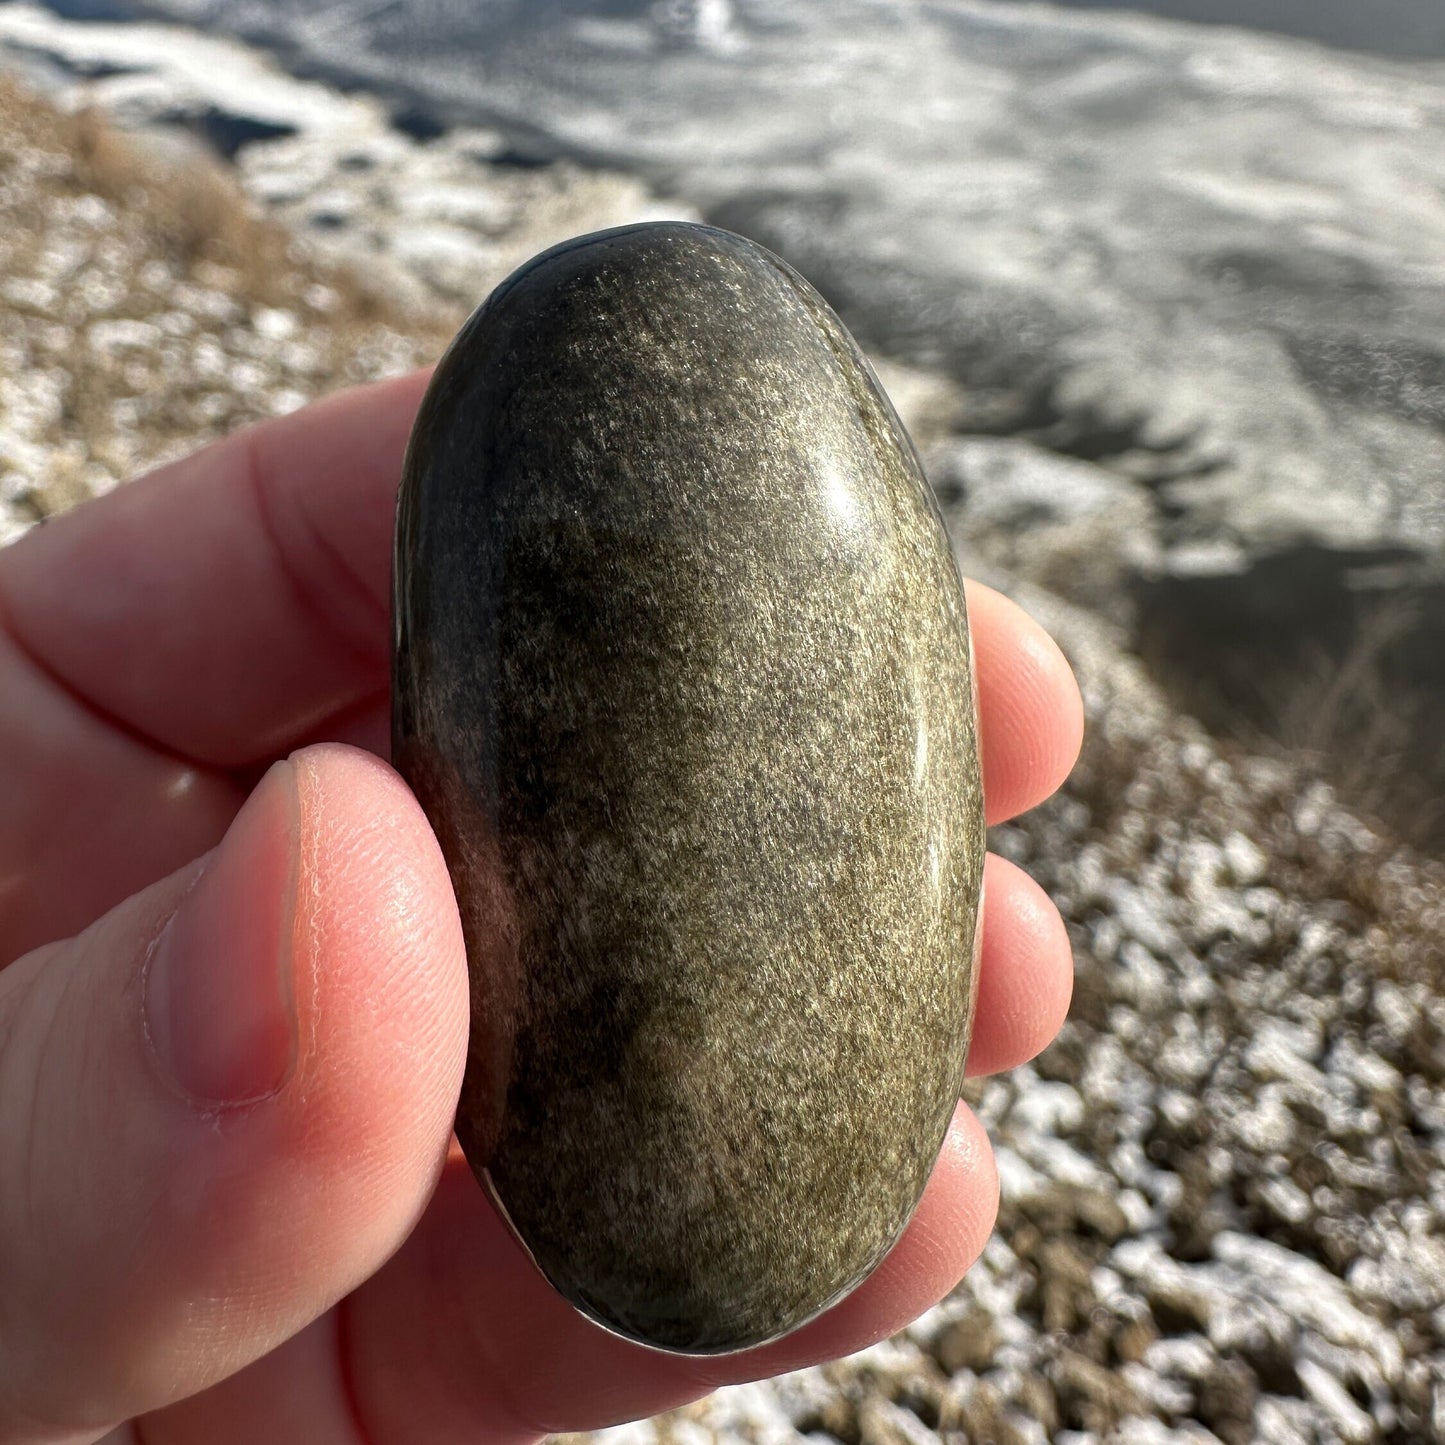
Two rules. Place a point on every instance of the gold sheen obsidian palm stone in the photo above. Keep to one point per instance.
(682, 681)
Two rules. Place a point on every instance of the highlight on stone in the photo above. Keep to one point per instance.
(682, 680)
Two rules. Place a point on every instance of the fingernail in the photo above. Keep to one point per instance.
(220, 1006)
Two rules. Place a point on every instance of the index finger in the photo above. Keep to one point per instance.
(225, 606)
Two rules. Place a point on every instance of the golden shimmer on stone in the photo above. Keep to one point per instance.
(682, 680)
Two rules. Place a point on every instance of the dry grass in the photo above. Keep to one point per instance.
(1358, 708)
(146, 307)
(1356, 719)
(197, 212)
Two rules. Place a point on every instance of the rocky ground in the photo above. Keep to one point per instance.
(1223, 1202)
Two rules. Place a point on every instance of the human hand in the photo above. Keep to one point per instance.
(228, 1208)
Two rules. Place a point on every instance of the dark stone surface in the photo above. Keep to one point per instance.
(682, 680)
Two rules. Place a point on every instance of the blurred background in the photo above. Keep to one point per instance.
(1161, 294)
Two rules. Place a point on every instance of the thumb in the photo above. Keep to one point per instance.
(226, 1103)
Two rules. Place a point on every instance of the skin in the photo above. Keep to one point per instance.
(318, 1264)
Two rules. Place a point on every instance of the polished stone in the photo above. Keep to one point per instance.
(682, 680)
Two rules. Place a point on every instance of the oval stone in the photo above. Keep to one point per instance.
(682, 680)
